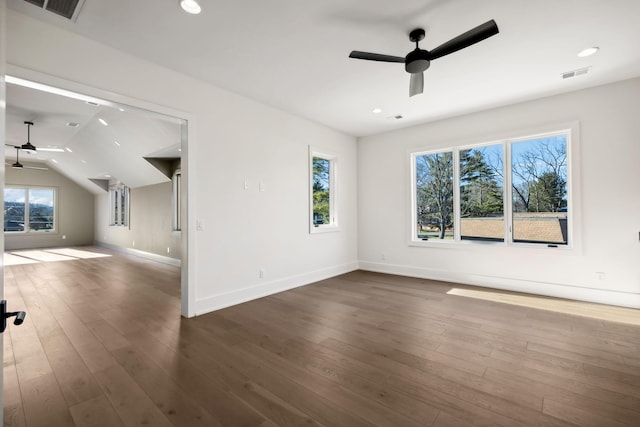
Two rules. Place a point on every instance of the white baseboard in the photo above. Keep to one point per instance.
(558, 290)
(249, 293)
(142, 254)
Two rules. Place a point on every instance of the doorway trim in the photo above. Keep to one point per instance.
(188, 132)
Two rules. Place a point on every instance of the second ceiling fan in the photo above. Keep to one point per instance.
(418, 60)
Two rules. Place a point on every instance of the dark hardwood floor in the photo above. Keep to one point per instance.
(104, 345)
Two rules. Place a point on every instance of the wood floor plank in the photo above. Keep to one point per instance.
(164, 392)
(130, 402)
(13, 414)
(96, 412)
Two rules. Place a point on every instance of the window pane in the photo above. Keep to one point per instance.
(122, 205)
(41, 209)
(434, 195)
(481, 189)
(321, 191)
(14, 204)
(539, 181)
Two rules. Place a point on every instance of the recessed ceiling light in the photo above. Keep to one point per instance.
(68, 149)
(103, 121)
(73, 124)
(588, 51)
(376, 110)
(121, 109)
(117, 143)
(54, 160)
(106, 175)
(190, 6)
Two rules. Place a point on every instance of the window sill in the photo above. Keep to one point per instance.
(477, 245)
(324, 229)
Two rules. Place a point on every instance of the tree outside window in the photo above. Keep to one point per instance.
(323, 215)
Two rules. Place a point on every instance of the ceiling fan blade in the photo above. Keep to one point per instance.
(475, 35)
(375, 57)
(416, 85)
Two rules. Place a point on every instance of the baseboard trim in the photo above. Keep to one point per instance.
(142, 254)
(558, 290)
(227, 299)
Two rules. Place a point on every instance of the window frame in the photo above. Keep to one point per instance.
(27, 228)
(574, 244)
(118, 217)
(332, 226)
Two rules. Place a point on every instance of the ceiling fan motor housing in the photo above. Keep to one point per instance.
(417, 61)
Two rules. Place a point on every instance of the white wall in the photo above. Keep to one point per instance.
(150, 227)
(74, 211)
(610, 193)
(232, 139)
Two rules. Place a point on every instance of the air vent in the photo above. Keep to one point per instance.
(575, 73)
(66, 8)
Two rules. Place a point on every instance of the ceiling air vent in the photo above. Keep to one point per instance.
(66, 8)
(575, 73)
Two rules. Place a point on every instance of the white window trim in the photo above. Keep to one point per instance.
(333, 192)
(574, 216)
(27, 230)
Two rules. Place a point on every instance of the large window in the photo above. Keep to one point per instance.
(29, 209)
(323, 205)
(119, 205)
(514, 191)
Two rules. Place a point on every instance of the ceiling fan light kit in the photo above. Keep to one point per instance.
(418, 60)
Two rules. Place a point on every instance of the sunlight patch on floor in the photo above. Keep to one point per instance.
(48, 255)
(11, 259)
(577, 308)
(77, 253)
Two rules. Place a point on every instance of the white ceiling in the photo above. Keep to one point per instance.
(91, 150)
(293, 54)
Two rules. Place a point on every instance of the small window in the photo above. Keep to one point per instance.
(323, 205)
(119, 205)
(177, 200)
(29, 209)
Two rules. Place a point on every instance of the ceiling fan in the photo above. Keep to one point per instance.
(418, 60)
(18, 165)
